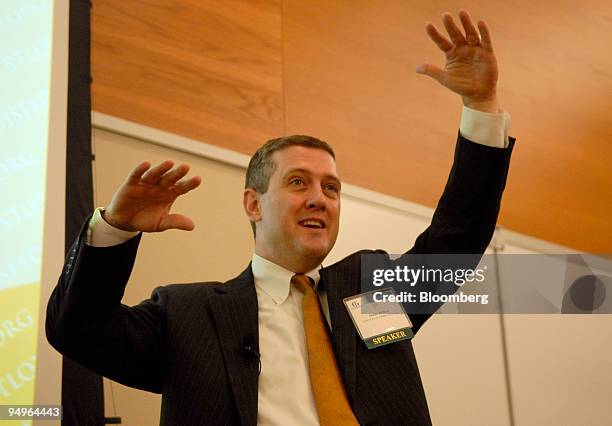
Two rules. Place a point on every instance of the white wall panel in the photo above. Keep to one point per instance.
(560, 369)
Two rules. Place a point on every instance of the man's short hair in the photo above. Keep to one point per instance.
(262, 166)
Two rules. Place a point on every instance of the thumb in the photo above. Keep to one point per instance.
(433, 71)
(176, 221)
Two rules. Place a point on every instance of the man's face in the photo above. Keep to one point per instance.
(300, 211)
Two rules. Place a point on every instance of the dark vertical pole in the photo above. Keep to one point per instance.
(82, 391)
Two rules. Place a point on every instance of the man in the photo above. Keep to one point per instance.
(243, 352)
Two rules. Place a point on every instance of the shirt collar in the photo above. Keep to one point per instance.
(275, 280)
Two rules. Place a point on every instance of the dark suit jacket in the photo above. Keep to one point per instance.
(187, 341)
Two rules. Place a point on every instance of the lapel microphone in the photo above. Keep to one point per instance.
(250, 349)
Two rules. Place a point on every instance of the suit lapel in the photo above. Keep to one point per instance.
(235, 312)
(338, 287)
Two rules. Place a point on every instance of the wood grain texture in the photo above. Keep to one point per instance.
(237, 73)
(208, 70)
(349, 72)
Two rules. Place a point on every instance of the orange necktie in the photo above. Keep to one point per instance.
(332, 404)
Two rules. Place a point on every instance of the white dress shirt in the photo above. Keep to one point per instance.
(285, 394)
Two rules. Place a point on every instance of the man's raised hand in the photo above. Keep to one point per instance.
(471, 67)
(143, 201)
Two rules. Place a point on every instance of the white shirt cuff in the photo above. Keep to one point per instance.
(485, 128)
(101, 234)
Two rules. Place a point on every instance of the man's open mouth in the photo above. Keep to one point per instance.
(312, 223)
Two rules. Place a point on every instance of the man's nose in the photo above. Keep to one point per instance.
(316, 199)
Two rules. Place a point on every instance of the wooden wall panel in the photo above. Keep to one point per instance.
(236, 73)
(349, 78)
(208, 70)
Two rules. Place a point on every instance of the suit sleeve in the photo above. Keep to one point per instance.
(464, 220)
(87, 323)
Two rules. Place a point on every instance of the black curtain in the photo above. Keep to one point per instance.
(82, 391)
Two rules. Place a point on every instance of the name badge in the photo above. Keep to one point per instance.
(378, 323)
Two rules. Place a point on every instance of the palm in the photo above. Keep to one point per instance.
(147, 205)
(471, 71)
(144, 200)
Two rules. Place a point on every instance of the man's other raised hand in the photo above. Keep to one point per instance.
(143, 201)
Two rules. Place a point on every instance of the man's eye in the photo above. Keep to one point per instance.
(296, 181)
(331, 187)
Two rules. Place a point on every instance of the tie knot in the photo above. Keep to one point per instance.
(302, 283)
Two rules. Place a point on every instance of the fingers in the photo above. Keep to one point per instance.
(487, 44)
(176, 221)
(183, 187)
(433, 71)
(173, 176)
(152, 176)
(171, 180)
(453, 31)
(441, 41)
(136, 174)
(471, 35)
(165, 175)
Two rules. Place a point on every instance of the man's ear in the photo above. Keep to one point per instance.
(251, 202)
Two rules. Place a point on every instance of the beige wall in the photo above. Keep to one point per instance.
(558, 372)
(218, 249)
